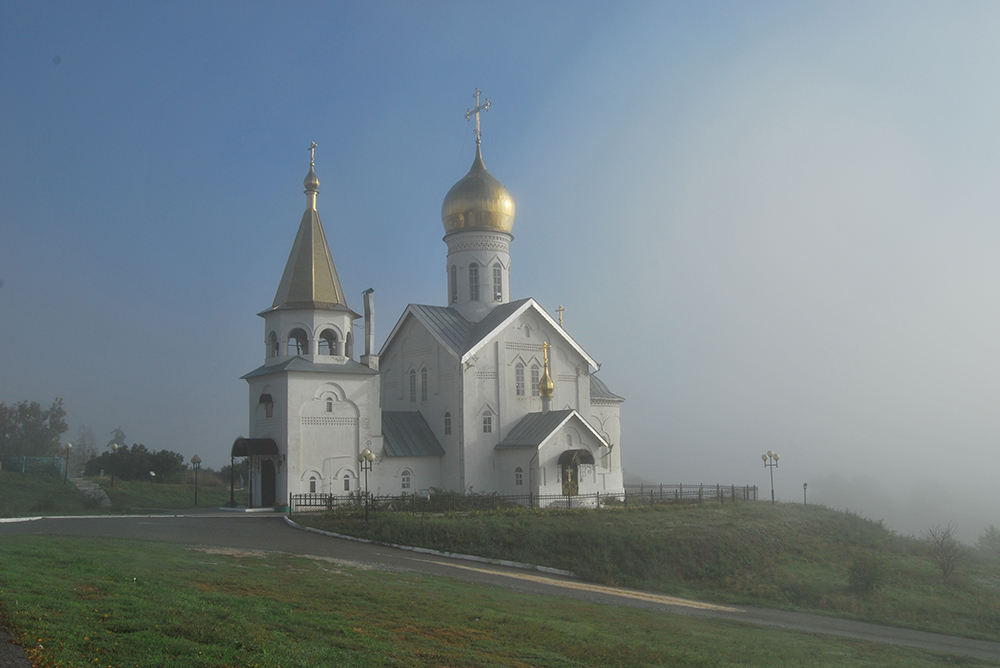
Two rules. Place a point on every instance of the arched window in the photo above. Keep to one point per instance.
(404, 478)
(349, 345)
(518, 476)
(453, 284)
(272, 345)
(268, 405)
(312, 484)
(328, 342)
(487, 422)
(329, 405)
(497, 282)
(423, 384)
(413, 385)
(447, 424)
(298, 342)
(474, 282)
(519, 379)
(535, 377)
(347, 483)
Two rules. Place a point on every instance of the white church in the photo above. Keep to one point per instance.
(483, 394)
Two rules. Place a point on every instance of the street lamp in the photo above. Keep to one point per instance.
(771, 462)
(804, 486)
(69, 448)
(366, 457)
(114, 450)
(196, 460)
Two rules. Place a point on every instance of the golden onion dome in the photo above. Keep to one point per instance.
(478, 202)
(312, 181)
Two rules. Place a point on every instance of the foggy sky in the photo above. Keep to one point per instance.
(774, 225)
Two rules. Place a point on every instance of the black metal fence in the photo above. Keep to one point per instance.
(633, 495)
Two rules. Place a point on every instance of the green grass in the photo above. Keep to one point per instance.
(137, 495)
(34, 494)
(100, 602)
(784, 556)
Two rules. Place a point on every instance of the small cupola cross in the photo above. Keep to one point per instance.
(479, 107)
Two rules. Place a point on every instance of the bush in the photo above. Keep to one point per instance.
(867, 573)
(989, 542)
(945, 549)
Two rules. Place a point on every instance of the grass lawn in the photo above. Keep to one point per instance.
(786, 556)
(89, 602)
(33, 494)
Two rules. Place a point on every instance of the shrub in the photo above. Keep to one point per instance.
(945, 549)
(867, 573)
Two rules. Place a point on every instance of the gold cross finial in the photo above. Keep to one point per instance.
(479, 107)
(560, 312)
(312, 154)
(545, 351)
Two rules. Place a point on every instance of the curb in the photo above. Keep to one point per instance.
(437, 553)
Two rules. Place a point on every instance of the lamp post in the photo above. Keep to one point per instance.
(804, 486)
(366, 458)
(771, 462)
(69, 449)
(196, 461)
(114, 451)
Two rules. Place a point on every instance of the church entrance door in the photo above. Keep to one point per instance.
(570, 479)
(267, 483)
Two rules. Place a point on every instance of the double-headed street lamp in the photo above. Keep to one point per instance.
(69, 448)
(366, 458)
(771, 462)
(196, 461)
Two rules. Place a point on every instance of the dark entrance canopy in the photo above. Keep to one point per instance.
(571, 457)
(249, 447)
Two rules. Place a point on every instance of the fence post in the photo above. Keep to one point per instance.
(701, 492)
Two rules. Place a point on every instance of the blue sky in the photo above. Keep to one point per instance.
(774, 224)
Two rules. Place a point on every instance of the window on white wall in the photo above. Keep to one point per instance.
(535, 377)
(413, 385)
(518, 476)
(273, 350)
(497, 283)
(423, 384)
(488, 423)
(328, 342)
(329, 405)
(519, 380)
(347, 484)
(298, 342)
(312, 485)
(453, 285)
(404, 478)
(447, 423)
(474, 282)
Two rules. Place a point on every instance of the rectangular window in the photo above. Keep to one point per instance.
(423, 385)
(497, 283)
(519, 380)
(518, 476)
(406, 480)
(454, 284)
(447, 423)
(474, 282)
(413, 386)
(347, 484)
(534, 381)
(487, 424)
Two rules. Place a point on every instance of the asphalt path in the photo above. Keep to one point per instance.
(272, 533)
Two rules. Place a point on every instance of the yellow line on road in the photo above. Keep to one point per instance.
(599, 589)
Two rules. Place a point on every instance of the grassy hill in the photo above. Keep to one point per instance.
(788, 556)
(34, 494)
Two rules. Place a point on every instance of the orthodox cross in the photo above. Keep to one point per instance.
(479, 107)
(312, 154)
(545, 353)
(560, 312)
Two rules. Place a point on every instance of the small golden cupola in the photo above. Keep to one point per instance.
(545, 384)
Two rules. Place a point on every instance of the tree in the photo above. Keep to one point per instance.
(945, 549)
(137, 462)
(989, 542)
(28, 430)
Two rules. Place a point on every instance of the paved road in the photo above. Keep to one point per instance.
(270, 532)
